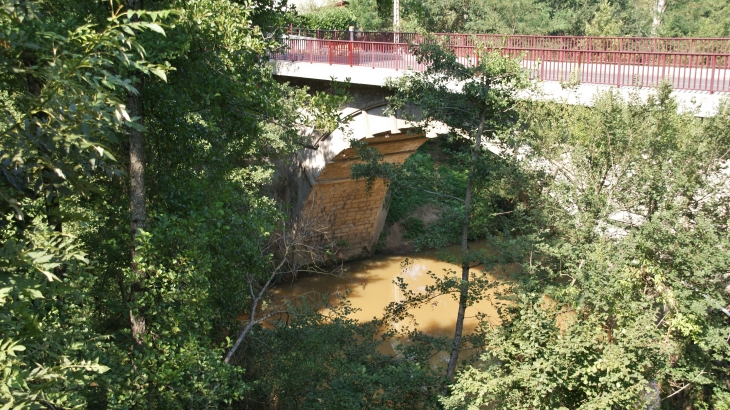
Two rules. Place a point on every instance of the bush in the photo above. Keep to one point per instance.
(414, 228)
(330, 18)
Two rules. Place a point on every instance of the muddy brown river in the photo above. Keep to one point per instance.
(369, 287)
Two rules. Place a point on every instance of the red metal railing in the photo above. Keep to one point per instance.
(685, 70)
(353, 53)
(646, 44)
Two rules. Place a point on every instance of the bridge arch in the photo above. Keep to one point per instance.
(353, 218)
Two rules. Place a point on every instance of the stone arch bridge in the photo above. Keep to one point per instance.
(320, 184)
(322, 187)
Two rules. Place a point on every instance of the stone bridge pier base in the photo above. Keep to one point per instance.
(352, 215)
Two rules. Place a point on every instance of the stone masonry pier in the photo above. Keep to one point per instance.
(354, 215)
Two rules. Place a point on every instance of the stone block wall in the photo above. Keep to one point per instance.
(352, 215)
(349, 214)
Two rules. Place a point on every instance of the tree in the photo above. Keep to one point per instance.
(137, 191)
(328, 18)
(694, 19)
(531, 17)
(622, 301)
(604, 22)
(213, 134)
(57, 140)
(474, 100)
(657, 16)
(213, 131)
(370, 16)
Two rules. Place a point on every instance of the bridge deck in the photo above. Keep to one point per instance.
(702, 102)
(685, 71)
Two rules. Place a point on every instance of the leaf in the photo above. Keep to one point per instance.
(17, 348)
(4, 292)
(35, 293)
(159, 73)
(59, 173)
(51, 277)
(156, 28)
(42, 258)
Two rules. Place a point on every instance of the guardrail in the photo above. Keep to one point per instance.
(645, 44)
(686, 71)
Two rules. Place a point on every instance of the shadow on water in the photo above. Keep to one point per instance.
(369, 288)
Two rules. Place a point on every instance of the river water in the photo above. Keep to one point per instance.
(368, 285)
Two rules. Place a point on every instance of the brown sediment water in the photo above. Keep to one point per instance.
(369, 286)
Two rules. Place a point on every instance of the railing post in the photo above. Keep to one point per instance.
(396, 56)
(311, 51)
(712, 76)
(350, 51)
(372, 55)
(329, 52)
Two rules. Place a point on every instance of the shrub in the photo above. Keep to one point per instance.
(330, 18)
(414, 228)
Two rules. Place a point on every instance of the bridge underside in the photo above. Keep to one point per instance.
(352, 216)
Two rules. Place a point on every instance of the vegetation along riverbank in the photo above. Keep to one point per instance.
(143, 209)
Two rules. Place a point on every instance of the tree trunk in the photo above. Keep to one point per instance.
(138, 207)
(138, 198)
(657, 15)
(464, 291)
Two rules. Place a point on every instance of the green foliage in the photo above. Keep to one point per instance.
(548, 357)
(329, 361)
(604, 22)
(624, 250)
(63, 85)
(443, 232)
(328, 18)
(682, 18)
(534, 17)
(58, 137)
(616, 216)
(414, 228)
(421, 182)
(695, 19)
(366, 15)
(214, 125)
(370, 16)
(185, 264)
(487, 16)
